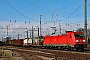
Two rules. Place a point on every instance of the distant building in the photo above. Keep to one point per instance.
(6, 39)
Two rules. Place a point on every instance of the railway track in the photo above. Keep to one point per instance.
(47, 54)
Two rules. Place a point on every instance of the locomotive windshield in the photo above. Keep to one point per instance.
(79, 35)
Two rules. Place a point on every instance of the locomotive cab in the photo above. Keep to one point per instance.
(80, 40)
(77, 39)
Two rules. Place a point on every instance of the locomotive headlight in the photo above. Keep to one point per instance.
(77, 41)
(84, 41)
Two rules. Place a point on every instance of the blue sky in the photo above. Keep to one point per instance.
(53, 11)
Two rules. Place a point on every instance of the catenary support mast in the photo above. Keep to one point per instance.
(85, 19)
(40, 25)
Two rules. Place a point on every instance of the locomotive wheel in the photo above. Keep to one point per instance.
(68, 48)
(82, 49)
(61, 48)
(77, 49)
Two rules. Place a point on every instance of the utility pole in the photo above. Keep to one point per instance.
(13, 37)
(60, 28)
(27, 34)
(40, 24)
(7, 30)
(18, 36)
(38, 31)
(32, 35)
(2, 39)
(38, 35)
(27, 37)
(85, 20)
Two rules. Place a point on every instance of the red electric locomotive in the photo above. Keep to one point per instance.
(66, 41)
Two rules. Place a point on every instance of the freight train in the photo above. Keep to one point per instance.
(70, 40)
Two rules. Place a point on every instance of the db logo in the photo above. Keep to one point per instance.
(55, 40)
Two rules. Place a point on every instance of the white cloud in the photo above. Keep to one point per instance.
(14, 28)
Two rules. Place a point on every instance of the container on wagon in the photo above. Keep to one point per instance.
(27, 42)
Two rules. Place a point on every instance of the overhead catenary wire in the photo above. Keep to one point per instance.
(63, 8)
(28, 10)
(50, 2)
(21, 8)
(70, 14)
(17, 10)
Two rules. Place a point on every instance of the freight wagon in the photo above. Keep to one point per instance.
(66, 41)
(27, 42)
(38, 41)
(18, 42)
